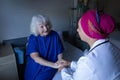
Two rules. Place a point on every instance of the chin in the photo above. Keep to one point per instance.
(45, 34)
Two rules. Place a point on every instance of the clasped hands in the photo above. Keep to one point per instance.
(60, 64)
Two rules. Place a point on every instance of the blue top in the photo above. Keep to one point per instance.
(48, 47)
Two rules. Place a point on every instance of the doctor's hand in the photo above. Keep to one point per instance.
(58, 64)
(62, 64)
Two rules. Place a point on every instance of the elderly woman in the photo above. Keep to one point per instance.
(44, 50)
(102, 61)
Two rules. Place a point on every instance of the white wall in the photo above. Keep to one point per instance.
(15, 15)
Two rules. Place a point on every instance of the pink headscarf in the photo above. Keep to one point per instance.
(97, 26)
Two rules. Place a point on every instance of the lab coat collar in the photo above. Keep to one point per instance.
(97, 43)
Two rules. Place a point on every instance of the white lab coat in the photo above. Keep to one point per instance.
(101, 63)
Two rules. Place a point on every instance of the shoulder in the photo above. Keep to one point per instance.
(104, 51)
(32, 37)
(54, 33)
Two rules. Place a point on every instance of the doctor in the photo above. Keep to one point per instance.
(102, 62)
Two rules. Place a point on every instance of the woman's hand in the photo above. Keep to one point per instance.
(62, 64)
(56, 65)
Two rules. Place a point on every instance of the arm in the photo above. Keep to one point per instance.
(35, 56)
(81, 73)
(62, 63)
(84, 71)
(67, 74)
(73, 65)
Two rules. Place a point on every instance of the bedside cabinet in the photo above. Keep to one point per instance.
(8, 67)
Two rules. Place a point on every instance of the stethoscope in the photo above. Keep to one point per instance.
(98, 45)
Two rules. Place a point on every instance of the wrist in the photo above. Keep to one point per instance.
(68, 64)
(54, 65)
(51, 64)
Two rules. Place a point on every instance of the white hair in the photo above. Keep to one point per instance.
(39, 19)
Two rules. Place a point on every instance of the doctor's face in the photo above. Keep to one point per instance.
(81, 33)
(43, 29)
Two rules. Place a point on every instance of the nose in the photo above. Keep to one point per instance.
(45, 28)
(77, 30)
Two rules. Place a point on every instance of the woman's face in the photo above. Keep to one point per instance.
(81, 33)
(43, 29)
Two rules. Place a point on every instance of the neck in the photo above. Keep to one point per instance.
(91, 42)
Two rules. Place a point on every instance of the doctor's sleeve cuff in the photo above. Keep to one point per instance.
(67, 74)
(73, 65)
